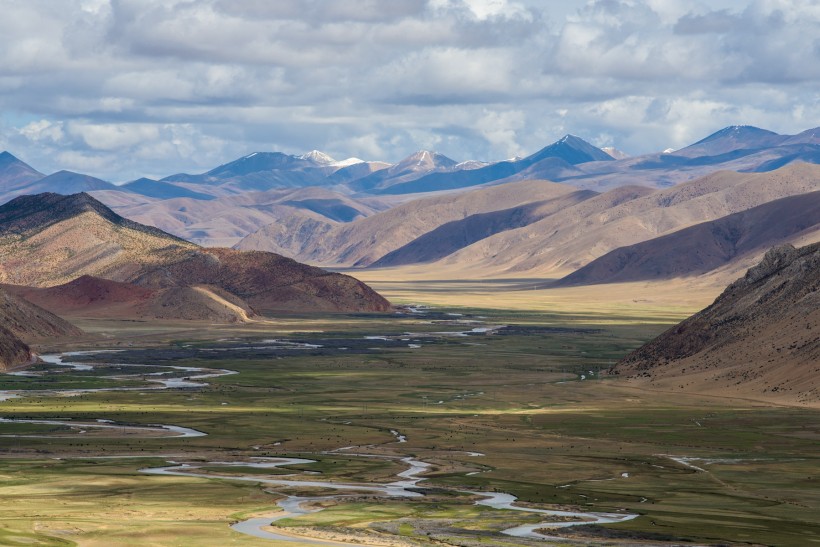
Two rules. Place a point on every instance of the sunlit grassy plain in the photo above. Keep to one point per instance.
(548, 437)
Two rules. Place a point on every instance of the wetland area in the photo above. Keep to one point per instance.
(433, 426)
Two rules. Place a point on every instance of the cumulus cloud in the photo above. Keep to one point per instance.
(43, 130)
(125, 88)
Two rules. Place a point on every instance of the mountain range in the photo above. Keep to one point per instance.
(570, 210)
(569, 215)
(541, 229)
(570, 158)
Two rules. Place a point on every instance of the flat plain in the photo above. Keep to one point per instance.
(524, 410)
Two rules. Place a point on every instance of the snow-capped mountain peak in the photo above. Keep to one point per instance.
(317, 157)
(615, 153)
(348, 162)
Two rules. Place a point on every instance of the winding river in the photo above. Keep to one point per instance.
(403, 487)
(291, 506)
(163, 379)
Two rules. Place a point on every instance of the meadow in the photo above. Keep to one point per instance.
(533, 400)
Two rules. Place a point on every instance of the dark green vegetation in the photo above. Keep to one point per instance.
(752, 473)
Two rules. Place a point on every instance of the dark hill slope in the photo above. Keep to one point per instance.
(760, 338)
(31, 322)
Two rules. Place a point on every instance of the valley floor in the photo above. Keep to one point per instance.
(490, 401)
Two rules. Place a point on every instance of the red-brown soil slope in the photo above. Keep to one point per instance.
(267, 281)
(89, 296)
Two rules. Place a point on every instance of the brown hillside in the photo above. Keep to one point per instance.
(50, 239)
(452, 236)
(366, 240)
(561, 243)
(21, 320)
(707, 246)
(84, 238)
(31, 322)
(84, 293)
(13, 351)
(267, 281)
(760, 339)
(196, 303)
(290, 234)
(89, 296)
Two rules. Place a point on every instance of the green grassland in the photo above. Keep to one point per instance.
(547, 436)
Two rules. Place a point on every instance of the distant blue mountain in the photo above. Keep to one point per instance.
(67, 183)
(162, 190)
(15, 173)
(410, 168)
(729, 139)
(561, 156)
(261, 171)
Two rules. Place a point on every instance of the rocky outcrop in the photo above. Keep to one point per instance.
(759, 339)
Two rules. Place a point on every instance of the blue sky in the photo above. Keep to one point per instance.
(125, 88)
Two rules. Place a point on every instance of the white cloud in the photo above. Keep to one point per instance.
(131, 86)
(114, 136)
(43, 130)
(501, 130)
(485, 9)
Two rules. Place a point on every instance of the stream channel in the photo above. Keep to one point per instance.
(404, 486)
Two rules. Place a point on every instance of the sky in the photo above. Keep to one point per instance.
(121, 89)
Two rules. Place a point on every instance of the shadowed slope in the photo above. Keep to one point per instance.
(31, 322)
(449, 238)
(366, 240)
(708, 246)
(572, 238)
(13, 351)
